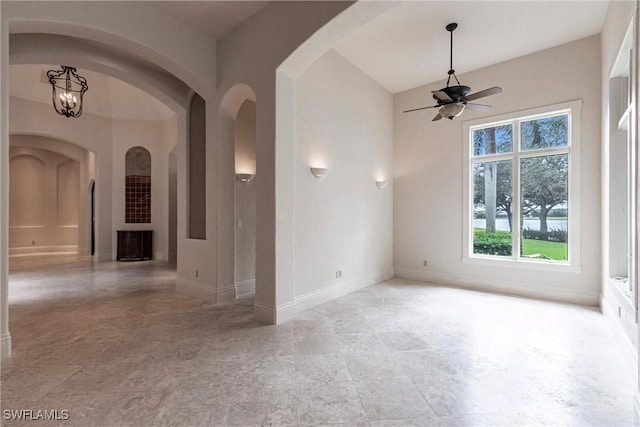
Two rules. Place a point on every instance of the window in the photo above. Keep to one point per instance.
(137, 186)
(521, 175)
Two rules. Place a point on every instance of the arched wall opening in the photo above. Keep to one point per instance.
(49, 196)
(34, 41)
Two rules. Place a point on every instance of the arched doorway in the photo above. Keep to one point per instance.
(49, 206)
(41, 48)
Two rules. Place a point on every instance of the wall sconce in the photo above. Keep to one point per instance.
(245, 177)
(382, 184)
(319, 172)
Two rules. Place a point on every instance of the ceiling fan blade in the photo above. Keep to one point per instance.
(421, 108)
(442, 96)
(437, 117)
(487, 92)
(477, 107)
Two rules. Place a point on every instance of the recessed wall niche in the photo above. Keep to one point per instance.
(197, 155)
(138, 185)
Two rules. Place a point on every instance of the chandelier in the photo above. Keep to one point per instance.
(68, 90)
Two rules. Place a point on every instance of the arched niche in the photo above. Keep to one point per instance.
(245, 198)
(27, 191)
(68, 189)
(197, 155)
(138, 186)
(234, 98)
(237, 192)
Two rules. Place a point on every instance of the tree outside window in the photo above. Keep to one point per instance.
(520, 169)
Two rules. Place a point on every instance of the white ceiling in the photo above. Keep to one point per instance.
(106, 97)
(405, 47)
(214, 18)
(408, 46)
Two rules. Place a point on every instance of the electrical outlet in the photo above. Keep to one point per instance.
(425, 263)
(339, 274)
(197, 272)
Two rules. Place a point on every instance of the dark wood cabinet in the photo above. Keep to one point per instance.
(134, 245)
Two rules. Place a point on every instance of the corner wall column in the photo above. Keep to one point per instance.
(5, 335)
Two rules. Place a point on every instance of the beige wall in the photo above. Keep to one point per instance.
(49, 196)
(109, 140)
(43, 201)
(428, 162)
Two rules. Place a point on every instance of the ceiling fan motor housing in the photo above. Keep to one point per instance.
(456, 93)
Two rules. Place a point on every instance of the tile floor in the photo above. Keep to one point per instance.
(115, 345)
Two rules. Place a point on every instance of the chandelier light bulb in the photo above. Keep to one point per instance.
(68, 100)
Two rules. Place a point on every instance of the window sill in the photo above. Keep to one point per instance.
(522, 264)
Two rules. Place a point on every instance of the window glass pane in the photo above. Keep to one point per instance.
(138, 186)
(493, 140)
(544, 218)
(492, 220)
(545, 133)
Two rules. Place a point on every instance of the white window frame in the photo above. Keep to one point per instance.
(573, 108)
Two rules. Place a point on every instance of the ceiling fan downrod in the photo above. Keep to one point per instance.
(451, 27)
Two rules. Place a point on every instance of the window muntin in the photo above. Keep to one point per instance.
(540, 164)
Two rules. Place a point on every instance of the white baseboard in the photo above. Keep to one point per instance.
(289, 310)
(337, 290)
(245, 287)
(507, 287)
(43, 250)
(636, 409)
(5, 345)
(104, 256)
(274, 316)
(198, 290)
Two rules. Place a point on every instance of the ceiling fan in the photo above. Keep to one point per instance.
(452, 100)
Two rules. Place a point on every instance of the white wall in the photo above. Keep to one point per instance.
(616, 307)
(428, 162)
(250, 55)
(343, 222)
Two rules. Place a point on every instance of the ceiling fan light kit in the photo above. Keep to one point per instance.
(452, 100)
